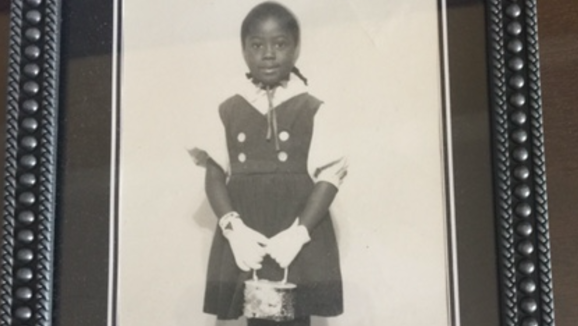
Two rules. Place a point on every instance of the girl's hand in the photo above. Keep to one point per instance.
(285, 246)
(247, 244)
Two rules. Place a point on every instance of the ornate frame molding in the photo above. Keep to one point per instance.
(519, 166)
(30, 177)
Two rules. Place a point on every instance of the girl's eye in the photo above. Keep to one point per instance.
(256, 46)
(280, 45)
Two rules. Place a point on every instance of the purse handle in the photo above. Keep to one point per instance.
(285, 272)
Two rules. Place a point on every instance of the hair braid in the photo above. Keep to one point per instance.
(298, 73)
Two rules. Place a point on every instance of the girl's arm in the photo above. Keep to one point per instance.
(215, 182)
(246, 243)
(216, 189)
(285, 246)
(328, 167)
(317, 205)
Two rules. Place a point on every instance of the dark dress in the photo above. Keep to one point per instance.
(269, 189)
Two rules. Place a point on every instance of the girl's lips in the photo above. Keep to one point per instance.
(269, 69)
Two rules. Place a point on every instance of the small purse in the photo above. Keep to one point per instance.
(270, 300)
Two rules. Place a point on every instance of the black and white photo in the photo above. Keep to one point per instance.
(294, 106)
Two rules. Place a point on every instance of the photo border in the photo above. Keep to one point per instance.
(521, 214)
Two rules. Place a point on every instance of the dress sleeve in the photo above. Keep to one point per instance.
(327, 157)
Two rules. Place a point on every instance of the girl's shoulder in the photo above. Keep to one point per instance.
(305, 101)
(301, 95)
(231, 101)
(228, 105)
(312, 100)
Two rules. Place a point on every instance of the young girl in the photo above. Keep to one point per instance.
(273, 188)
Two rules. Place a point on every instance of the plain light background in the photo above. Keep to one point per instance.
(376, 66)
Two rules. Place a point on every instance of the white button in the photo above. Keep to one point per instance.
(241, 137)
(282, 156)
(284, 135)
(242, 157)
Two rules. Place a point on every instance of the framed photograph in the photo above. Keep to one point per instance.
(275, 163)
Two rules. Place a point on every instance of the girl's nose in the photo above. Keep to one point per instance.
(269, 52)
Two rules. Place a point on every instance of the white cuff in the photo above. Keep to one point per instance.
(333, 173)
(199, 156)
(229, 222)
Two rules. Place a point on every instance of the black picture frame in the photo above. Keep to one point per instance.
(55, 241)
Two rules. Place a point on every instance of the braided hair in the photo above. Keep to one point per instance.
(282, 15)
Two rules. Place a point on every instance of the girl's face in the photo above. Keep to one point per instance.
(270, 52)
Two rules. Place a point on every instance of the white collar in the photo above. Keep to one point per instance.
(258, 96)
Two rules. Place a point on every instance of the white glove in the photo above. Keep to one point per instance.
(285, 246)
(248, 245)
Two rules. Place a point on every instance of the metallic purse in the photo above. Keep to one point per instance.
(270, 300)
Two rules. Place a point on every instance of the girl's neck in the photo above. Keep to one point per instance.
(283, 82)
(262, 85)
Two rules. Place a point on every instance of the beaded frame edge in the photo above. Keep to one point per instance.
(26, 277)
(520, 199)
(524, 262)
